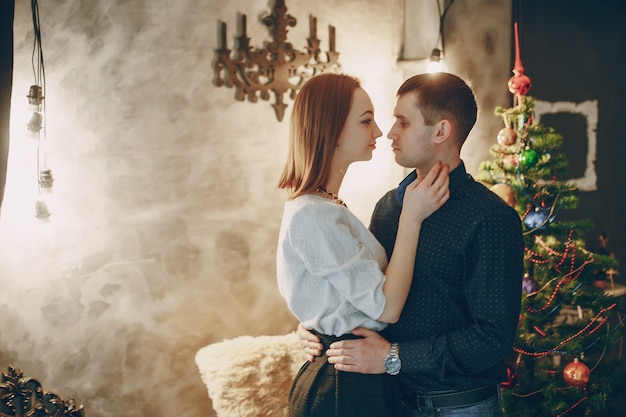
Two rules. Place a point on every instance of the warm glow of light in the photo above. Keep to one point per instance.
(22, 189)
(436, 61)
(434, 66)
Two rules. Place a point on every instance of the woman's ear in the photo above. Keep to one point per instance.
(444, 131)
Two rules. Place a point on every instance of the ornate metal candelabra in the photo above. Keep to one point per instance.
(277, 67)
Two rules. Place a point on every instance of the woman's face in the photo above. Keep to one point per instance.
(358, 136)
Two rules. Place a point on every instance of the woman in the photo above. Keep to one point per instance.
(331, 270)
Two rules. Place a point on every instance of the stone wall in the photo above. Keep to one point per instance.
(165, 210)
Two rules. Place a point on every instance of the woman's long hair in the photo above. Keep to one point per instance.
(319, 114)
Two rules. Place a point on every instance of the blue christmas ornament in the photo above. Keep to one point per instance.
(537, 220)
(529, 285)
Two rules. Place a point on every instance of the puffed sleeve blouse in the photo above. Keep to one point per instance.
(329, 267)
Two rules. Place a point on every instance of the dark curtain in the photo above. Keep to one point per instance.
(7, 11)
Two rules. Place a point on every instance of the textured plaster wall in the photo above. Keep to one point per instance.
(165, 211)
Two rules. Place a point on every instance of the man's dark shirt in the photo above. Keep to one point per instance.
(461, 315)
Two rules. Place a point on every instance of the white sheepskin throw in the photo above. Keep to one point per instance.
(251, 376)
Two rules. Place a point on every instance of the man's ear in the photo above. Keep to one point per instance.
(444, 131)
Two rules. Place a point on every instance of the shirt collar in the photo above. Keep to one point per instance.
(457, 177)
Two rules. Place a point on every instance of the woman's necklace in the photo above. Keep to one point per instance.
(331, 196)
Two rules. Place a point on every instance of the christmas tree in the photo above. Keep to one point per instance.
(565, 360)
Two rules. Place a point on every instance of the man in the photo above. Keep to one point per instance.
(460, 319)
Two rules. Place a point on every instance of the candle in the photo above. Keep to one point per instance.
(243, 25)
(331, 38)
(224, 35)
(313, 27)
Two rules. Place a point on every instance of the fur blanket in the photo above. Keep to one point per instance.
(250, 376)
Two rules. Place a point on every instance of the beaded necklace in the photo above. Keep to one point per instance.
(331, 196)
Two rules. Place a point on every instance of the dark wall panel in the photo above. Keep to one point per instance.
(574, 51)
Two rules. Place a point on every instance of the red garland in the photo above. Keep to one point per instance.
(527, 211)
(537, 258)
(576, 404)
(571, 276)
(581, 331)
(568, 245)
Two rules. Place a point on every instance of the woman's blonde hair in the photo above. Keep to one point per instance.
(319, 113)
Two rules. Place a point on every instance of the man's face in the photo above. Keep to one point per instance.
(413, 142)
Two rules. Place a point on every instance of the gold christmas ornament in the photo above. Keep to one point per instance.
(505, 192)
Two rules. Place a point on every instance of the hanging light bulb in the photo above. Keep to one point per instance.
(436, 61)
(43, 208)
(45, 180)
(36, 122)
(35, 95)
(35, 101)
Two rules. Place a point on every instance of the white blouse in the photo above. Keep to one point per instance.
(330, 267)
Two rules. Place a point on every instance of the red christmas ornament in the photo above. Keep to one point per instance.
(519, 83)
(507, 136)
(576, 373)
(510, 378)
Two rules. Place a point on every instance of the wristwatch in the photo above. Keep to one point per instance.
(392, 361)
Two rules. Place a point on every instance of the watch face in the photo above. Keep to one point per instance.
(392, 365)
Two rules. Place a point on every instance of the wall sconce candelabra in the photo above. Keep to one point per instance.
(276, 68)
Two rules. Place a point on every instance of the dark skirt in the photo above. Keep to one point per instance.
(319, 390)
